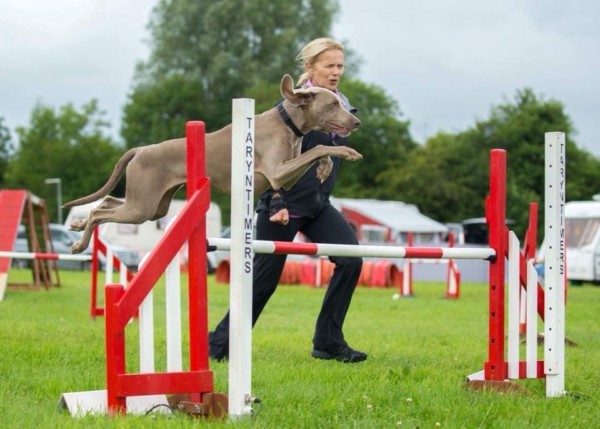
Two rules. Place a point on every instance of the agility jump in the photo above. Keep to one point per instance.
(548, 303)
(122, 305)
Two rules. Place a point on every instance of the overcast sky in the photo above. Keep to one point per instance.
(446, 62)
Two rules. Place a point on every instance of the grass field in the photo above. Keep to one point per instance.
(420, 350)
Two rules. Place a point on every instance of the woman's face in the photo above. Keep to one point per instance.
(328, 69)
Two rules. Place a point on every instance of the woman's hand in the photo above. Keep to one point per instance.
(282, 217)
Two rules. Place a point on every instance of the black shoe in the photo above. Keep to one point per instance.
(218, 353)
(343, 354)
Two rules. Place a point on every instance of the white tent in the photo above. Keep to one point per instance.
(394, 219)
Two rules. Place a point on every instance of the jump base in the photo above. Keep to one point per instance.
(213, 405)
(505, 386)
(80, 404)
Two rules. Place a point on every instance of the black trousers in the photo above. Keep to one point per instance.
(329, 226)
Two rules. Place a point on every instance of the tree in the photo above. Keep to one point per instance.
(447, 178)
(439, 178)
(204, 53)
(64, 143)
(382, 137)
(155, 113)
(5, 149)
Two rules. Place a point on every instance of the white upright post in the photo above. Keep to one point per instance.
(123, 278)
(532, 321)
(514, 288)
(173, 314)
(555, 266)
(123, 275)
(240, 298)
(146, 328)
(173, 311)
(108, 269)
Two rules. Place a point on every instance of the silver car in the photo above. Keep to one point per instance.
(62, 240)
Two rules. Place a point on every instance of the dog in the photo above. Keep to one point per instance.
(155, 172)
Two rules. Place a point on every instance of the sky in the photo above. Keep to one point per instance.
(446, 62)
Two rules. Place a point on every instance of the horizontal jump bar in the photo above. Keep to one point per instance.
(50, 256)
(285, 247)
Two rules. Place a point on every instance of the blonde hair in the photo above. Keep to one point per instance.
(308, 55)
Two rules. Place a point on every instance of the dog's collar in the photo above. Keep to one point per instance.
(288, 121)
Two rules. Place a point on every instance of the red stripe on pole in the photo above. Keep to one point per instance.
(286, 247)
(424, 252)
(51, 256)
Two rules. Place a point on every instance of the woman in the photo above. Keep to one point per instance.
(306, 208)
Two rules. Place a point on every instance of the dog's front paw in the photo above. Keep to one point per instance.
(324, 168)
(351, 154)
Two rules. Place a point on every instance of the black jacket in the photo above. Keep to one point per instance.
(307, 197)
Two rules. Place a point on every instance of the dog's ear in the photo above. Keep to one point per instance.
(287, 86)
(297, 97)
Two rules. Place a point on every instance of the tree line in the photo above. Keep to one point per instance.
(204, 53)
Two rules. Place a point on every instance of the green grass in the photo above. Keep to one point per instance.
(420, 350)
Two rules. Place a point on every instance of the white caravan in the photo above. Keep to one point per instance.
(583, 241)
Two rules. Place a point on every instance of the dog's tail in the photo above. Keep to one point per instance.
(110, 184)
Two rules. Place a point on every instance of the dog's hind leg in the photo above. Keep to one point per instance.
(124, 213)
(111, 202)
(96, 217)
(165, 203)
(107, 203)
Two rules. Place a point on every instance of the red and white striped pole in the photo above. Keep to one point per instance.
(321, 249)
(529, 252)
(44, 256)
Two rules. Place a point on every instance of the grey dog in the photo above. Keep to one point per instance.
(155, 172)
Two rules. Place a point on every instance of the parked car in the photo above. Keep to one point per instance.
(476, 230)
(62, 240)
(128, 256)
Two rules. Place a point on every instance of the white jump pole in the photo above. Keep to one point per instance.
(173, 311)
(146, 328)
(321, 249)
(532, 321)
(555, 264)
(44, 256)
(123, 274)
(240, 298)
(513, 305)
(109, 271)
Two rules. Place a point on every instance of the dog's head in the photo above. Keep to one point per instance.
(323, 109)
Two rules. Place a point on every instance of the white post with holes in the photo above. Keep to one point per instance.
(240, 298)
(555, 264)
